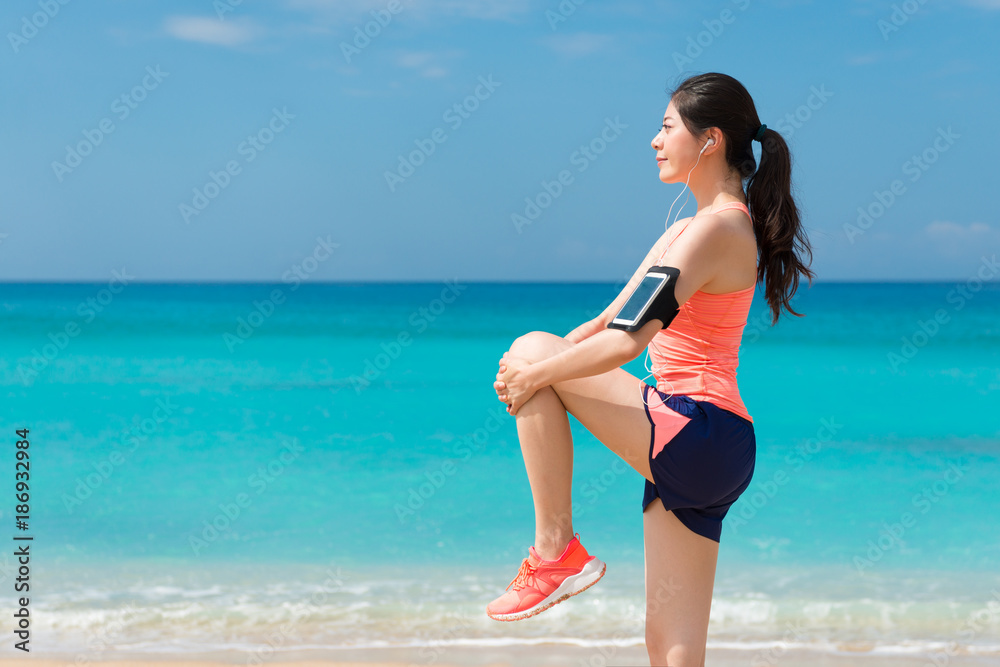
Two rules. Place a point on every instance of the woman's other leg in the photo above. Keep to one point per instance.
(680, 576)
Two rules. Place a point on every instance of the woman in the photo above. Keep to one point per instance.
(690, 436)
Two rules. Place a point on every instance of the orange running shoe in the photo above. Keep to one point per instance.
(539, 584)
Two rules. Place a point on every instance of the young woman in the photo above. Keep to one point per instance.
(689, 436)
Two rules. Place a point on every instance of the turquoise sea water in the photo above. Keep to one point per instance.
(214, 464)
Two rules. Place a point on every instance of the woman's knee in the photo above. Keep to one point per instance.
(536, 345)
(664, 652)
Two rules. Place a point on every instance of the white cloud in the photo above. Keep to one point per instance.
(948, 228)
(434, 72)
(936, 250)
(577, 45)
(430, 65)
(352, 11)
(210, 30)
(415, 59)
(866, 59)
(896, 55)
(953, 240)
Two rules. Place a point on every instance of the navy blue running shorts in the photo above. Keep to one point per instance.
(701, 456)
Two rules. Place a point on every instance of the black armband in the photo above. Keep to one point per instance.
(652, 299)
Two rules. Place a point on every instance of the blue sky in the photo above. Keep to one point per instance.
(234, 141)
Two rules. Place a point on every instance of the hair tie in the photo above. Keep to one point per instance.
(760, 133)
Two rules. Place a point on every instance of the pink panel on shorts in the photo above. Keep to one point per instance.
(667, 422)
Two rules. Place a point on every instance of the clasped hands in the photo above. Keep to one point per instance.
(515, 382)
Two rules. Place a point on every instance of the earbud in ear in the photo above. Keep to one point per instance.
(707, 144)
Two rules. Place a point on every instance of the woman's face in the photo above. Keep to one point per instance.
(676, 148)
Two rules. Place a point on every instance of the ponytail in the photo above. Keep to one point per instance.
(777, 226)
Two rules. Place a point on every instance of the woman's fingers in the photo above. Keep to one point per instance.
(499, 385)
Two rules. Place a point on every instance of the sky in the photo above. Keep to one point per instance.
(411, 140)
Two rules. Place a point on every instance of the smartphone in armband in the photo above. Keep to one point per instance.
(653, 298)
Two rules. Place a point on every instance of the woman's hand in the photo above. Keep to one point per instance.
(514, 383)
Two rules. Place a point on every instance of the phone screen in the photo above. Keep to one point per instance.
(640, 297)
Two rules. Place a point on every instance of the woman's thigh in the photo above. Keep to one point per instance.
(608, 405)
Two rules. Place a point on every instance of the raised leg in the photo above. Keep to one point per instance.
(609, 405)
(547, 446)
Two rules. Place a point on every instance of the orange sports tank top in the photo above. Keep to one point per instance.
(697, 355)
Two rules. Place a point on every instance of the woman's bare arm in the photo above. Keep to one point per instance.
(586, 330)
(602, 352)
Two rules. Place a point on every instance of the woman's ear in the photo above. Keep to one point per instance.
(716, 136)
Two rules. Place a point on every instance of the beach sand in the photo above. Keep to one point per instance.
(507, 657)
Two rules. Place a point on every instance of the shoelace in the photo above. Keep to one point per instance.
(526, 572)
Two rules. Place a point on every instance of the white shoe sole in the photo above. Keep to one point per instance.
(577, 583)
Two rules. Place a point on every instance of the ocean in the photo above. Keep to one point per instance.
(266, 467)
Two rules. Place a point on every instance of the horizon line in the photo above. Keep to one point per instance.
(900, 281)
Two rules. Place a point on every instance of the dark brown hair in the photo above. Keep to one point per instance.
(718, 100)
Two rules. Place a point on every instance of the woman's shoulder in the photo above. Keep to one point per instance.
(720, 244)
(731, 226)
